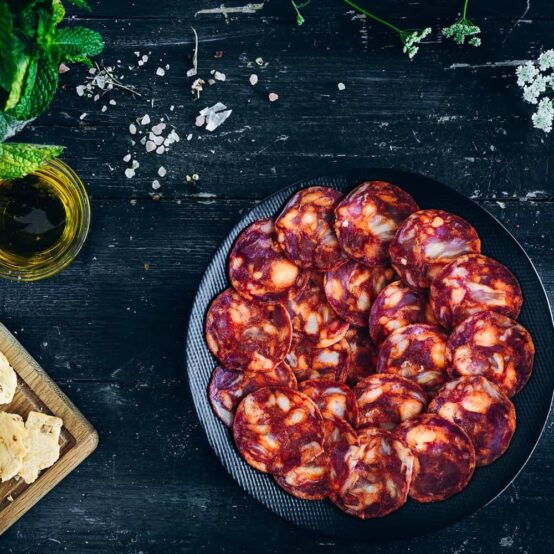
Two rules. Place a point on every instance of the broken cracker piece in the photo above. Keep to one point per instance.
(43, 441)
(8, 380)
(13, 444)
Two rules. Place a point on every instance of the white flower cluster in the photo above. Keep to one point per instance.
(411, 39)
(537, 81)
(462, 30)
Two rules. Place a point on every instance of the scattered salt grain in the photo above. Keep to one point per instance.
(160, 71)
(133, 129)
(200, 120)
(253, 79)
(191, 72)
(273, 97)
(162, 172)
(158, 129)
(167, 67)
(218, 76)
(189, 136)
(171, 108)
(145, 119)
(104, 108)
(82, 116)
(214, 116)
(260, 61)
(144, 58)
(112, 102)
(150, 146)
(62, 68)
(156, 184)
(129, 173)
(160, 149)
(341, 86)
(127, 157)
(80, 90)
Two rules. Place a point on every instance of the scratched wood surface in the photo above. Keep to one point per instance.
(110, 329)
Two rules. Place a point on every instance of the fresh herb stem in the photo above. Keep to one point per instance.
(464, 11)
(297, 7)
(373, 16)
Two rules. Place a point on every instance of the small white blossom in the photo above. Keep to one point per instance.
(526, 73)
(532, 92)
(412, 39)
(546, 60)
(542, 118)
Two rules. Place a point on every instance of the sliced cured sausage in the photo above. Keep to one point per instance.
(309, 362)
(444, 457)
(363, 356)
(428, 240)
(379, 476)
(366, 220)
(319, 478)
(474, 283)
(333, 398)
(352, 288)
(247, 335)
(385, 400)
(416, 352)
(277, 429)
(229, 386)
(482, 411)
(305, 229)
(259, 269)
(396, 306)
(313, 317)
(494, 346)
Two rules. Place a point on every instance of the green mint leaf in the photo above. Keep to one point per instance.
(77, 44)
(58, 11)
(18, 160)
(10, 126)
(36, 98)
(82, 4)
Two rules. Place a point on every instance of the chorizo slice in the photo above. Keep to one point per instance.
(482, 410)
(313, 317)
(309, 362)
(366, 220)
(379, 476)
(494, 346)
(229, 386)
(320, 477)
(363, 356)
(247, 335)
(277, 429)
(258, 268)
(386, 400)
(444, 457)
(474, 283)
(396, 306)
(428, 240)
(332, 397)
(416, 352)
(305, 229)
(352, 288)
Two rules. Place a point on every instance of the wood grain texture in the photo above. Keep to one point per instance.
(37, 392)
(111, 328)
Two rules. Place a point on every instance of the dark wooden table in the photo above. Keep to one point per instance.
(111, 328)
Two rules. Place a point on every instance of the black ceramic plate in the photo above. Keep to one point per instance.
(532, 403)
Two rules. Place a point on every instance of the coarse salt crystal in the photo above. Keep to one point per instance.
(127, 157)
(113, 102)
(133, 129)
(160, 71)
(80, 90)
(189, 136)
(162, 171)
(200, 120)
(218, 76)
(167, 67)
(145, 119)
(145, 58)
(273, 96)
(160, 149)
(140, 63)
(62, 68)
(171, 108)
(191, 72)
(156, 184)
(104, 108)
(157, 129)
(135, 164)
(150, 146)
(129, 173)
(82, 116)
(341, 86)
(253, 79)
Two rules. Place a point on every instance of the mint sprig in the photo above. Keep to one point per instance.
(18, 160)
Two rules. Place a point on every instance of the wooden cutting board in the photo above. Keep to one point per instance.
(37, 392)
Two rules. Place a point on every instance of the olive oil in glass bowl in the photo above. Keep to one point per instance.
(44, 221)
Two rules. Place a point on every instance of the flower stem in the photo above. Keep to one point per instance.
(374, 17)
(464, 12)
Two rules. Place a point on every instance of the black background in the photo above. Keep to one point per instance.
(111, 328)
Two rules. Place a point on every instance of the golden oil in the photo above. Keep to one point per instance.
(44, 220)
